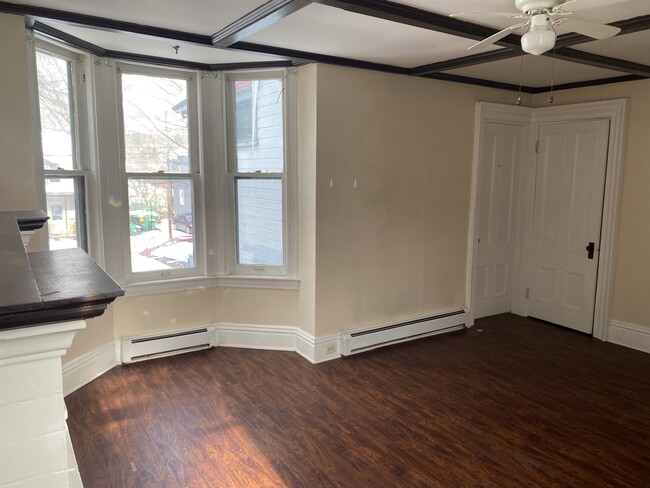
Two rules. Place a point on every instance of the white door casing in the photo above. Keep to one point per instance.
(497, 192)
(569, 190)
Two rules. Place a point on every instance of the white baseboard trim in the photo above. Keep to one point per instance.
(629, 335)
(318, 349)
(82, 370)
(279, 338)
(271, 337)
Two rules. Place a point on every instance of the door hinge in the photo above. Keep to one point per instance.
(84, 77)
(527, 292)
(537, 147)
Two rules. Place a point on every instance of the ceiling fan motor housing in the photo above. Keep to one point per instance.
(540, 37)
(537, 6)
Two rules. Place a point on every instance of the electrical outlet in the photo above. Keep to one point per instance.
(330, 348)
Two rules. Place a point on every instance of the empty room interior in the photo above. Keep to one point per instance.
(345, 243)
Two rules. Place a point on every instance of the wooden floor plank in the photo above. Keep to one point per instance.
(510, 402)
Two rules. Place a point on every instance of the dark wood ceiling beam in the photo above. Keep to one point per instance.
(582, 84)
(479, 82)
(466, 61)
(59, 35)
(319, 58)
(404, 14)
(597, 61)
(255, 21)
(627, 26)
(74, 41)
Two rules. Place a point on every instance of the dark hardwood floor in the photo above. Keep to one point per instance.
(510, 402)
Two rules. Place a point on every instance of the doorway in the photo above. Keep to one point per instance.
(547, 207)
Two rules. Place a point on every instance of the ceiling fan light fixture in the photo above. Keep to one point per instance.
(541, 36)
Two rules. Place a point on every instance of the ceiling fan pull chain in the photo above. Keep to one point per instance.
(521, 76)
(550, 97)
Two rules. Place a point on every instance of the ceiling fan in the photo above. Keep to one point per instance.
(541, 18)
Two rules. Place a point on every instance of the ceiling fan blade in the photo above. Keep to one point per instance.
(589, 28)
(580, 4)
(498, 36)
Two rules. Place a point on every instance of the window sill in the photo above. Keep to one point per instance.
(178, 285)
(263, 282)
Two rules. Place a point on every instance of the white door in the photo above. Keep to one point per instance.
(569, 189)
(497, 179)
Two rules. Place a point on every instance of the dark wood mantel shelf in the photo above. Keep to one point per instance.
(49, 286)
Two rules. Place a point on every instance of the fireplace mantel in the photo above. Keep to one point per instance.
(45, 298)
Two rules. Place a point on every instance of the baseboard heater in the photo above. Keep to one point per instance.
(141, 348)
(384, 335)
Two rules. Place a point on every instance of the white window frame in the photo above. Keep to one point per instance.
(249, 275)
(101, 154)
(83, 158)
(197, 271)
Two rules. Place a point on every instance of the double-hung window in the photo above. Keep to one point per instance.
(257, 174)
(65, 162)
(160, 171)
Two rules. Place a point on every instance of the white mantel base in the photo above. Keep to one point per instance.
(35, 448)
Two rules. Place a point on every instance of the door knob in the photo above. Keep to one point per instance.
(590, 250)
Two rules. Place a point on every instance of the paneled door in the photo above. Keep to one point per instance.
(498, 170)
(569, 189)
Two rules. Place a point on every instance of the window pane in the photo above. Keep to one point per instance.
(57, 114)
(65, 207)
(259, 126)
(259, 221)
(155, 124)
(161, 224)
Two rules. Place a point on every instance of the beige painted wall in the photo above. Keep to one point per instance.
(632, 277)
(97, 333)
(158, 313)
(17, 189)
(396, 246)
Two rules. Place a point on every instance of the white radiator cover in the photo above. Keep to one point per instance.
(383, 335)
(167, 344)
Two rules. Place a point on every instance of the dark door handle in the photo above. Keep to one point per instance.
(590, 250)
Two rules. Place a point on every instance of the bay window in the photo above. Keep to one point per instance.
(187, 176)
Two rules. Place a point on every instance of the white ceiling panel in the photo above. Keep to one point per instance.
(152, 46)
(196, 16)
(537, 71)
(335, 32)
(622, 47)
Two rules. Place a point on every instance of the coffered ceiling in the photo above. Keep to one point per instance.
(413, 37)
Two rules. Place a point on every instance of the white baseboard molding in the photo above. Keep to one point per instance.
(279, 338)
(629, 335)
(318, 349)
(82, 370)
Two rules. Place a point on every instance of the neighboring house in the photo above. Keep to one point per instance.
(59, 192)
